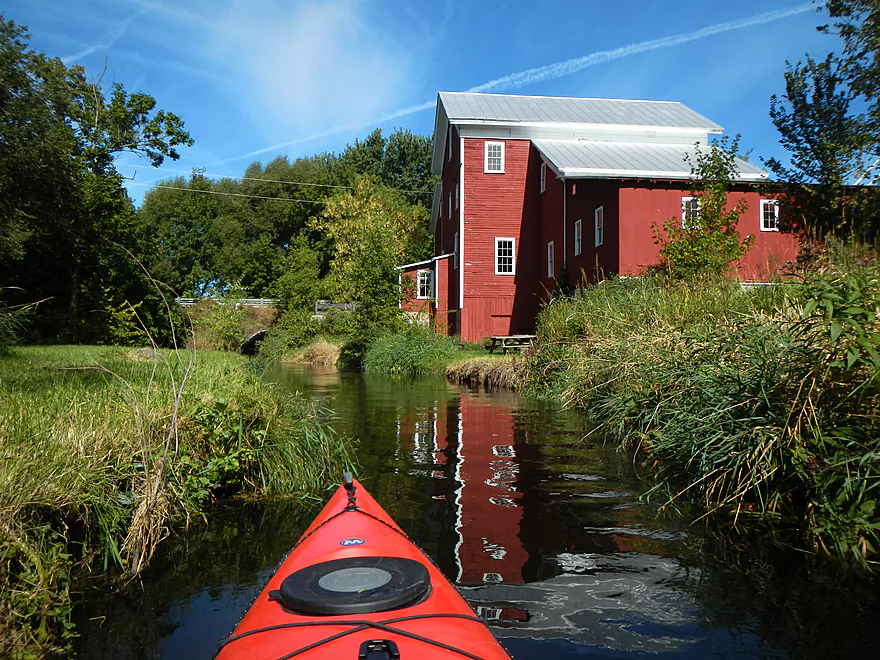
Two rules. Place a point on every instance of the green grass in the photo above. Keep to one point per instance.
(760, 403)
(103, 451)
(416, 352)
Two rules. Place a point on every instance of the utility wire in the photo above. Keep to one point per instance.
(227, 194)
(289, 183)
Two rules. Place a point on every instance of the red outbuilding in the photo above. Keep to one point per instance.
(536, 189)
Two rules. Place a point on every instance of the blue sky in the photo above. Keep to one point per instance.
(254, 79)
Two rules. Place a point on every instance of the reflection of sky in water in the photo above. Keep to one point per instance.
(623, 602)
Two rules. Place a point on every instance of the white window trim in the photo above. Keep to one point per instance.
(486, 169)
(498, 239)
(764, 203)
(551, 260)
(543, 177)
(684, 220)
(578, 238)
(449, 144)
(599, 228)
(455, 252)
(456, 196)
(430, 278)
(449, 203)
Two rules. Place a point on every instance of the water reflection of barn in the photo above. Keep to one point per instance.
(480, 475)
(477, 452)
(533, 568)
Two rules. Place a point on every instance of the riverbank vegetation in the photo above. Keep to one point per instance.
(416, 352)
(759, 403)
(489, 372)
(106, 450)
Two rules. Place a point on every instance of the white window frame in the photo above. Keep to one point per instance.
(500, 168)
(455, 252)
(543, 177)
(424, 280)
(578, 238)
(762, 217)
(498, 269)
(599, 226)
(685, 222)
(449, 203)
(456, 196)
(551, 260)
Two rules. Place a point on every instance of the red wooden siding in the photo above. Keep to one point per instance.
(642, 204)
(447, 227)
(409, 283)
(551, 204)
(498, 206)
(584, 197)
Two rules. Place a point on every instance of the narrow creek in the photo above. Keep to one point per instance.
(540, 525)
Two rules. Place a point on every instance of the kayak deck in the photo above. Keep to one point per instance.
(355, 586)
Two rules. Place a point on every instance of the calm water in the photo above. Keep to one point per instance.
(539, 524)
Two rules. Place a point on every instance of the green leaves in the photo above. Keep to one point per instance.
(843, 305)
(63, 209)
(709, 246)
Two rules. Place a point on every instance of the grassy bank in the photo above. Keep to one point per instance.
(761, 403)
(104, 450)
(486, 371)
(416, 352)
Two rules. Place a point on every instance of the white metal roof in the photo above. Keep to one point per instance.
(593, 159)
(506, 116)
(507, 108)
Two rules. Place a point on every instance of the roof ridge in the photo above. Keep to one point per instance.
(565, 98)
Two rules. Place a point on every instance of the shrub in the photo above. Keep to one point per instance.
(415, 352)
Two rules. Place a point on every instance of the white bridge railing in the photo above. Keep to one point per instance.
(246, 302)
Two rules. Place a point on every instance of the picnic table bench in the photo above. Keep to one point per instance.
(510, 342)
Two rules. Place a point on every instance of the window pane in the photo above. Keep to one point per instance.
(504, 256)
(424, 284)
(494, 156)
(769, 216)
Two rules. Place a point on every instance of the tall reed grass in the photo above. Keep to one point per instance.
(418, 351)
(105, 450)
(760, 403)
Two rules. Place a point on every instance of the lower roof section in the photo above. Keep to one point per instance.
(585, 159)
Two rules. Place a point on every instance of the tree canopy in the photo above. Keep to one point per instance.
(63, 210)
(829, 121)
(705, 240)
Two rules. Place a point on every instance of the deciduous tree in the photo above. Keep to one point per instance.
(63, 210)
(705, 240)
(828, 145)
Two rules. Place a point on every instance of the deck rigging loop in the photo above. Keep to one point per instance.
(348, 482)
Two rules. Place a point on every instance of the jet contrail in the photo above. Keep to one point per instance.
(112, 38)
(553, 71)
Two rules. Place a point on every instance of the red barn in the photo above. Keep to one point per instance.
(533, 189)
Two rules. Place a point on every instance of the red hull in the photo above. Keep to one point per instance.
(443, 616)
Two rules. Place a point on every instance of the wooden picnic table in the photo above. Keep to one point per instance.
(510, 342)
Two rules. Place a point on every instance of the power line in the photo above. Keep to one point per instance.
(227, 194)
(289, 183)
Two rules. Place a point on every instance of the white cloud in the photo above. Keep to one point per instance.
(332, 125)
(310, 65)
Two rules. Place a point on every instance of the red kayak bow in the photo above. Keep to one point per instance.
(355, 587)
